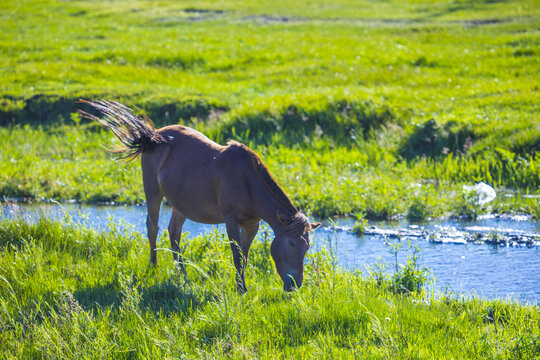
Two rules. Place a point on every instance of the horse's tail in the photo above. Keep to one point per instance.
(137, 134)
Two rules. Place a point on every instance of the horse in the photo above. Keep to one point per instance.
(209, 183)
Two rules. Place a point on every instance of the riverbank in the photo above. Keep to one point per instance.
(67, 290)
(67, 163)
(499, 268)
(440, 234)
(513, 230)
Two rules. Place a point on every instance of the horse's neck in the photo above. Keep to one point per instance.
(268, 197)
(267, 207)
(271, 217)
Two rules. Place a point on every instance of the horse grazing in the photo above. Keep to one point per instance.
(210, 183)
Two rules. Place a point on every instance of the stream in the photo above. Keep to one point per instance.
(492, 257)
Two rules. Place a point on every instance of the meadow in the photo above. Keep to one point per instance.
(377, 109)
(372, 107)
(68, 292)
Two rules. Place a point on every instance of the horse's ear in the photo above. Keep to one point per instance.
(283, 219)
(313, 226)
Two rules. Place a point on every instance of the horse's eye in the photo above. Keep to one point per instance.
(291, 243)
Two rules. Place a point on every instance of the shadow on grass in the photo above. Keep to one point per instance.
(167, 297)
(163, 298)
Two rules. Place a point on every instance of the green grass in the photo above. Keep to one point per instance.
(375, 108)
(70, 163)
(71, 292)
(351, 104)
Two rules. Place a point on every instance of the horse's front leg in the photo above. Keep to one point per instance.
(233, 231)
(247, 233)
(240, 238)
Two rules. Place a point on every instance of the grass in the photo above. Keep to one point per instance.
(72, 292)
(378, 109)
(375, 107)
(70, 163)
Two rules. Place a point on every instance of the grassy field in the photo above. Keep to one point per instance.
(362, 106)
(70, 292)
(374, 108)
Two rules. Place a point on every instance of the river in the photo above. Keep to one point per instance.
(509, 270)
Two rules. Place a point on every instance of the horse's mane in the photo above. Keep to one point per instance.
(266, 178)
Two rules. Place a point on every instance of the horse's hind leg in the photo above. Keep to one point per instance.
(175, 234)
(154, 197)
(153, 204)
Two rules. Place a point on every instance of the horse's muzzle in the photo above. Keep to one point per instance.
(291, 284)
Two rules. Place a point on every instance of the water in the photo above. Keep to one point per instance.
(484, 270)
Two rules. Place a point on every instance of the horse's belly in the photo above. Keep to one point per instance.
(205, 219)
(198, 212)
(196, 202)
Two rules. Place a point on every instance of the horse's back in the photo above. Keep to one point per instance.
(184, 169)
(203, 180)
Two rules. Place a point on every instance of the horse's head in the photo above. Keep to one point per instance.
(289, 248)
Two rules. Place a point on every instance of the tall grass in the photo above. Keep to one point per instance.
(71, 292)
(499, 168)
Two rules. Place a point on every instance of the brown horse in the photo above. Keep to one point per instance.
(210, 183)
